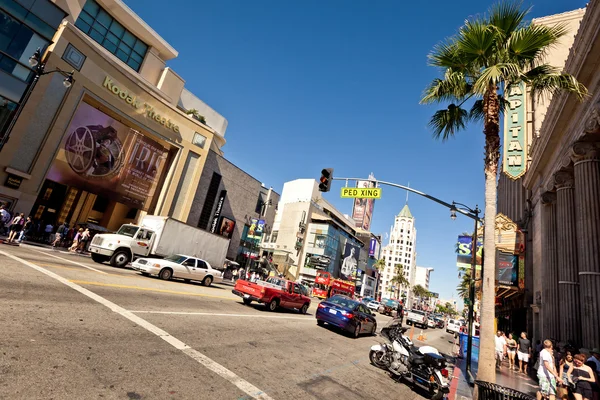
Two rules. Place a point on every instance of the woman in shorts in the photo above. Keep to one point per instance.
(511, 345)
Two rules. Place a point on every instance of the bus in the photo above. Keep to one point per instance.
(325, 286)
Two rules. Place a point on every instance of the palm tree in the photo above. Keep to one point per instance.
(490, 56)
(463, 287)
(399, 279)
(380, 264)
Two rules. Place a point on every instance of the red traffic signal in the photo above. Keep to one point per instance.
(325, 181)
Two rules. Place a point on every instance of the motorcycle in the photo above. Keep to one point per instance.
(423, 366)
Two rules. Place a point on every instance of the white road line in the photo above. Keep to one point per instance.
(213, 366)
(72, 262)
(223, 315)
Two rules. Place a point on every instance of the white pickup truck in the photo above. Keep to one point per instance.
(158, 236)
(417, 318)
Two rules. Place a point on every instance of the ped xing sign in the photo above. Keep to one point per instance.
(361, 193)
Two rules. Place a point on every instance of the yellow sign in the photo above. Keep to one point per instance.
(361, 193)
(133, 101)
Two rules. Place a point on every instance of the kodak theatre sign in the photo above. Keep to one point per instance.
(514, 160)
(133, 101)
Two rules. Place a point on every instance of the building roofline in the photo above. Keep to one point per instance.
(259, 181)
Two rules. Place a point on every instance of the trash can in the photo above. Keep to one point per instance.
(491, 391)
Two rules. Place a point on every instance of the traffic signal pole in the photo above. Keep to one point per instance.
(463, 209)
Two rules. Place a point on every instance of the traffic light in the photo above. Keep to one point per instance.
(325, 181)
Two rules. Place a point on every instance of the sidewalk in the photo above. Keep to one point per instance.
(461, 386)
(46, 246)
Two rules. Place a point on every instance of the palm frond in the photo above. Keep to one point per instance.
(530, 43)
(507, 16)
(476, 40)
(552, 83)
(496, 74)
(454, 87)
(446, 123)
(446, 55)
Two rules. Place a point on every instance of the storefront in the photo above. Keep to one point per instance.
(111, 147)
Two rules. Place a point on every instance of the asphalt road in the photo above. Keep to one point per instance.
(74, 329)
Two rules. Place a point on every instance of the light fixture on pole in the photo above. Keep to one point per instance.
(453, 213)
(37, 66)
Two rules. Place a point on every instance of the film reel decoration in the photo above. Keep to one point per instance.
(94, 151)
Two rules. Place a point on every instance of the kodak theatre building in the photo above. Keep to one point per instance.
(117, 143)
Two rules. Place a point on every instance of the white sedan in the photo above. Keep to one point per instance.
(179, 266)
(373, 305)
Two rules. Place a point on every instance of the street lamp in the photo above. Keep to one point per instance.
(37, 65)
(474, 212)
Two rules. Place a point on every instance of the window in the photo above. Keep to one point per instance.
(274, 236)
(199, 140)
(110, 34)
(320, 241)
(202, 264)
(190, 262)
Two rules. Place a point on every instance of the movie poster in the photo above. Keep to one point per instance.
(226, 227)
(103, 156)
(362, 211)
(349, 262)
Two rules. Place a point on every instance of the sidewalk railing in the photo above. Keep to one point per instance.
(491, 391)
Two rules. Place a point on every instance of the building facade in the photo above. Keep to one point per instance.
(309, 234)
(118, 143)
(422, 276)
(26, 26)
(563, 181)
(230, 202)
(400, 256)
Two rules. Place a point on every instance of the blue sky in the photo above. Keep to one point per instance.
(308, 84)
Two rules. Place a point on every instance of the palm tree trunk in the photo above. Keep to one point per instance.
(487, 368)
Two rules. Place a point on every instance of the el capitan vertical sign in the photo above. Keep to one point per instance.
(514, 160)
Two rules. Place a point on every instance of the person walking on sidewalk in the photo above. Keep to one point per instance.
(524, 352)
(583, 377)
(547, 374)
(511, 345)
(500, 343)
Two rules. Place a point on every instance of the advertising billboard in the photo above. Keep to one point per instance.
(226, 227)
(349, 262)
(103, 156)
(463, 253)
(507, 268)
(362, 211)
(256, 228)
(372, 247)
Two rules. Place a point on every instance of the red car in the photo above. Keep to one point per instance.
(274, 293)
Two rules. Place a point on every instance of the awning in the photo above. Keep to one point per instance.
(229, 262)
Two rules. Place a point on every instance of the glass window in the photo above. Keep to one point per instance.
(190, 262)
(104, 29)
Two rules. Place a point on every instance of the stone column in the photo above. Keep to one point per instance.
(568, 279)
(550, 292)
(587, 199)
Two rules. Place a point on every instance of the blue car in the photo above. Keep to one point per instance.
(348, 314)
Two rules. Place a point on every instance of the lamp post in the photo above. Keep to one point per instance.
(38, 66)
(475, 212)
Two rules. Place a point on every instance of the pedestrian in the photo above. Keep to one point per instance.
(511, 345)
(4, 219)
(16, 227)
(524, 351)
(400, 312)
(61, 232)
(48, 233)
(83, 240)
(583, 377)
(595, 358)
(562, 391)
(27, 229)
(547, 374)
(75, 244)
(500, 347)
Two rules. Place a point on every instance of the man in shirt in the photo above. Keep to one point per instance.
(595, 358)
(523, 351)
(500, 348)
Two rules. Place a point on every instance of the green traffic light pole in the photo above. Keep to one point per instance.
(462, 209)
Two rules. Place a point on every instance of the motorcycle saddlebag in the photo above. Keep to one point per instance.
(435, 360)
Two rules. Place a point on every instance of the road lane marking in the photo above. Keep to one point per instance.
(118, 286)
(208, 363)
(72, 262)
(224, 315)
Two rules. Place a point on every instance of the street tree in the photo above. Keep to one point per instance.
(380, 264)
(420, 292)
(399, 279)
(489, 57)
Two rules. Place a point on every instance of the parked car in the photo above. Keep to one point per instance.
(274, 293)
(439, 323)
(388, 307)
(453, 326)
(431, 323)
(417, 318)
(179, 266)
(373, 305)
(348, 314)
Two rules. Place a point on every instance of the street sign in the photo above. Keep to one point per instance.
(362, 193)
